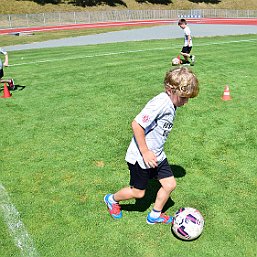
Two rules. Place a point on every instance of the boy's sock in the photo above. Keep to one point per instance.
(190, 56)
(155, 214)
(111, 199)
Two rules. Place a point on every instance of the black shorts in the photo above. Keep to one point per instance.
(139, 177)
(1, 73)
(186, 49)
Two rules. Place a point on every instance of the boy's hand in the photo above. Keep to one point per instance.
(150, 159)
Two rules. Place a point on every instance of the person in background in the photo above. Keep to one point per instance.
(10, 82)
(188, 43)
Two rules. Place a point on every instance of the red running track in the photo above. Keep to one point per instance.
(230, 21)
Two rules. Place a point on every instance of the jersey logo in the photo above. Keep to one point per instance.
(167, 128)
(167, 125)
(145, 118)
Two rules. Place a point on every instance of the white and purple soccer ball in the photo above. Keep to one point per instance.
(188, 223)
(175, 61)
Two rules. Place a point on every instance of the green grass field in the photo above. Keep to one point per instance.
(64, 138)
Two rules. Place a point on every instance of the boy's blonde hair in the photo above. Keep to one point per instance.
(182, 82)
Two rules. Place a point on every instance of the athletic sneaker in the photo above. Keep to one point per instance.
(165, 219)
(11, 84)
(113, 208)
(193, 60)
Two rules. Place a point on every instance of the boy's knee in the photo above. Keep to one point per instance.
(169, 185)
(173, 185)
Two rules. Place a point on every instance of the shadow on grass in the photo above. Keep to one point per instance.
(17, 87)
(144, 203)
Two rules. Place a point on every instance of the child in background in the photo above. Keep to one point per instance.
(145, 155)
(10, 82)
(188, 43)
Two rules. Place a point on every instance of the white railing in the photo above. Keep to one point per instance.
(65, 18)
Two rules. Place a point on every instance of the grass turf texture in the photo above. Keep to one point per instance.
(64, 137)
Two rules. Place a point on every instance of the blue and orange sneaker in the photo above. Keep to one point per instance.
(113, 208)
(164, 219)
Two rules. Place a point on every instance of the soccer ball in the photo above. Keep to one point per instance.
(188, 223)
(175, 61)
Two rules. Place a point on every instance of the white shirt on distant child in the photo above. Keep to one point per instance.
(2, 51)
(187, 33)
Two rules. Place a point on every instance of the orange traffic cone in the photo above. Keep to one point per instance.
(226, 95)
(6, 92)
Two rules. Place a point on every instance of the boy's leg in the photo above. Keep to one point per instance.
(192, 57)
(156, 215)
(186, 58)
(186, 54)
(127, 193)
(168, 184)
(138, 183)
(1, 73)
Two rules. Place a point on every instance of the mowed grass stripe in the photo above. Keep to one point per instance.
(93, 55)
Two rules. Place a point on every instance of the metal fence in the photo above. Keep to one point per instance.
(66, 18)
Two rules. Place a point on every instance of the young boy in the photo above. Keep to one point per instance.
(8, 81)
(145, 155)
(188, 43)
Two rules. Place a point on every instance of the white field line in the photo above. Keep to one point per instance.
(130, 51)
(16, 227)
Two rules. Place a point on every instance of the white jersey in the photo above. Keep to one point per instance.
(187, 33)
(157, 120)
(2, 51)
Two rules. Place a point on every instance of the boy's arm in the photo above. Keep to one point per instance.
(6, 59)
(148, 156)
